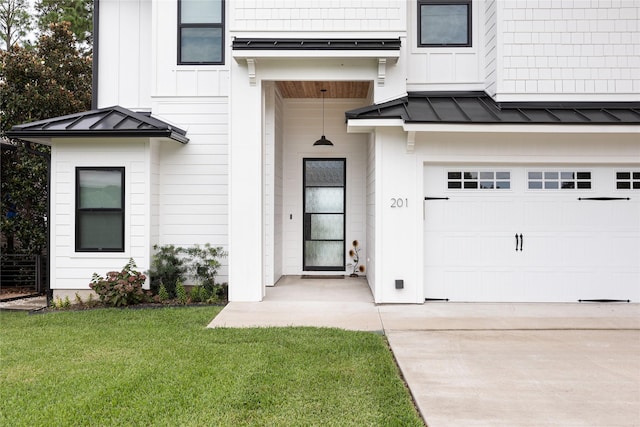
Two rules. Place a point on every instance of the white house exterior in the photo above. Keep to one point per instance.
(482, 150)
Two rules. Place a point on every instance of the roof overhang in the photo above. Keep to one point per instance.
(369, 125)
(111, 122)
(478, 112)
(244, 48)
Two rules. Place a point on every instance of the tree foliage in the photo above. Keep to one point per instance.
(79, 13)
(50, 80)
(15, 22)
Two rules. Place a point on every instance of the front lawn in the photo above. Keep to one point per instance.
(164, 367)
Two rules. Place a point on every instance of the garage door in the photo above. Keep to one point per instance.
(532, 233)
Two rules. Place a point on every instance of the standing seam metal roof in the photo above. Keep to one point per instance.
(314, 44)
(106, 122)
(478, 107)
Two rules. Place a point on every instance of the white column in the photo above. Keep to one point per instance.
(245, 187)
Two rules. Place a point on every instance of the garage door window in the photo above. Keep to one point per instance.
(559, 180)
(473, 180)
(628, 180)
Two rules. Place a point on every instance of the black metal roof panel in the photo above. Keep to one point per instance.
(478, 107)
(105, 122)
(314, 44)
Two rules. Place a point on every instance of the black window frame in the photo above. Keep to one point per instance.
(220, 25)
(79, 210)
(466, 3)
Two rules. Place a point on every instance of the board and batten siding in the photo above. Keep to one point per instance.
(193, 181)
(171, 79)
(302, 127)
(73, 270)
(125, 61)
(446, 68)
(490, 47)
(569, 50)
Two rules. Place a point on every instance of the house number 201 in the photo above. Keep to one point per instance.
(399, 202)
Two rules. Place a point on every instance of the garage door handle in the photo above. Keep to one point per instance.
(516, 242)
(519, 240)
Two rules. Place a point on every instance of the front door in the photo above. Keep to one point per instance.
(324, 214)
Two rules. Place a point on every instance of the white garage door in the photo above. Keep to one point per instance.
(532, 233)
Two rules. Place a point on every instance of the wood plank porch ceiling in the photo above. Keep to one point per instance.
(311, 89)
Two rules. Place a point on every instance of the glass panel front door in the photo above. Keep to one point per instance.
(324, 202)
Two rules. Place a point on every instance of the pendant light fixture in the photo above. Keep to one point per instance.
(323, 140)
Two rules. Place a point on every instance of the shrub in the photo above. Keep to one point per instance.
(181, 293)
(162, 293)
(199, 294)
(61, 304)
(203, 264)
(120, 288)
(172, 264)
(219, 294)
(167, 268)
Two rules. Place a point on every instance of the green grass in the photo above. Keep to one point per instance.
(164, 367)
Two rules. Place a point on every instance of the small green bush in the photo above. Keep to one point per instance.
(172, 264)
(120, 288)
(199, 294)
(61, 304)
(162, 293)
(181, 293)
(202, 264)
(167, 268)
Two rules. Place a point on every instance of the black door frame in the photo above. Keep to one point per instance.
(306, 227)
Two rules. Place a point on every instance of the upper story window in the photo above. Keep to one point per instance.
(444, 23)
(200, 32)
(100, 209)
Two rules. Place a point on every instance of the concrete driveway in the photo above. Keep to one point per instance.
(482, 364)
(519, 364)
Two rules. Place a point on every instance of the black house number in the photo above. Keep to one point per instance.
(399, 202)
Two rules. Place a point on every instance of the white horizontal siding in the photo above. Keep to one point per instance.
(193, 182)
(71, 270)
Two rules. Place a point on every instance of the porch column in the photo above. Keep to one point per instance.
(245, 186)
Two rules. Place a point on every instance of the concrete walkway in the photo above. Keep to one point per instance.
(481, 364)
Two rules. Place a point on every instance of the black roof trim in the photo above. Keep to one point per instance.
(315, 44)
(105, 122)
(478, 108)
